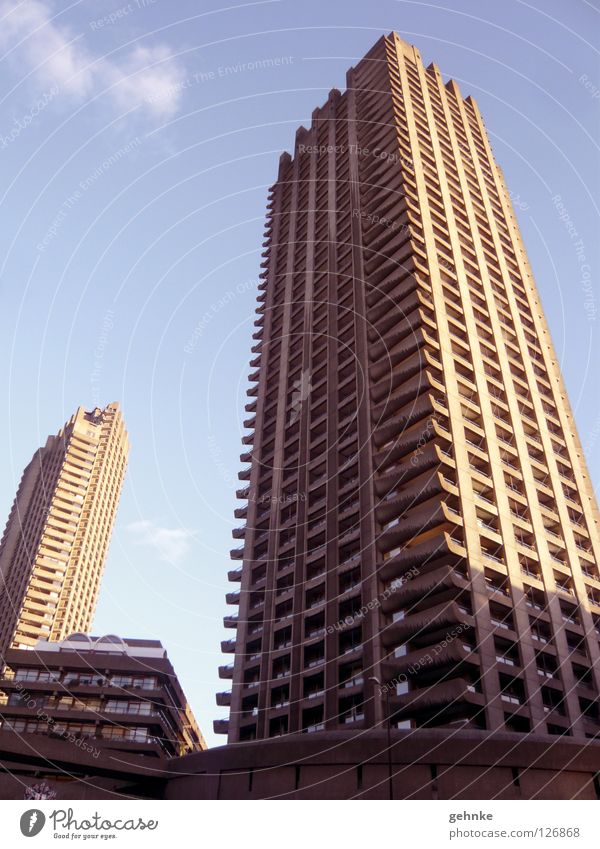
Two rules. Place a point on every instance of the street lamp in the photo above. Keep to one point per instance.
(389, 732)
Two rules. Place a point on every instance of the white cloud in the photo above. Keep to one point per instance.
(151, 78)
(145, 77)
(171, 544)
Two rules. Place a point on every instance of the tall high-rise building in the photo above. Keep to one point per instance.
(420, 525)
(54, 546)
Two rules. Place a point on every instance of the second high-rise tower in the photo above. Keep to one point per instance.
(54, 546)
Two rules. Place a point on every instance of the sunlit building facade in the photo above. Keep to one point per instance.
(420, 532)
(54, 546)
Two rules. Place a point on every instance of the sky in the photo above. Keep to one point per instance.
(138, 141)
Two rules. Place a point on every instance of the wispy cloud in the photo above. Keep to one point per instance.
(171, 544)
(145, 76)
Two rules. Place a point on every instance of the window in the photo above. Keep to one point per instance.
(127, 706)
(143, 682)
(312, 719)
(553, 700)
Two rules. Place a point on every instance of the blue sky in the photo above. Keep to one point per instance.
(138, 141)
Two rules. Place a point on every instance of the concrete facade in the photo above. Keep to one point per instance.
(54, 546)
(421, 536)
(98, 693)
(429, 764)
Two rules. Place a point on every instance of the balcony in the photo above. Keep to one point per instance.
(406, 447)
(221, 726)
(423, 407)
(424, 556)
(409, 528)
(226, 672)
(391, 314)
(455, 655)
(435, 618)
(382, 365)
(237, 553)
(428, 459)
(233, 598)
(230, 621)
(451, 695)
(393, 380)
(397, 332)
(234, 575)
(444, 580)
(420, 384)
(224, 699)
(397, 505)
(378, 267)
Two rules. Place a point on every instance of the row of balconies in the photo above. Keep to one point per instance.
(425, 556)
(413, 527)
(387, 200)
(402, 473)
(434, 619)
(401, 421)
(396, 378)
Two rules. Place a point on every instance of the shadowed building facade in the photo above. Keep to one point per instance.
(55, 543)
(416, 502)
(98, 693)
